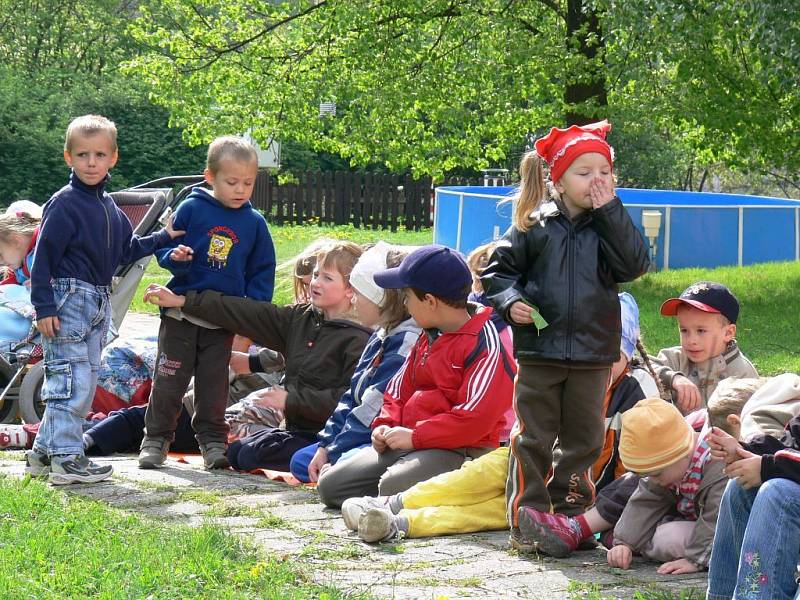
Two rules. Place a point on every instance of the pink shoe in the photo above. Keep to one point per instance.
(554, 534)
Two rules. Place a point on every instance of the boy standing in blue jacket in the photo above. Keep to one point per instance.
(84, 237)
(227, 248)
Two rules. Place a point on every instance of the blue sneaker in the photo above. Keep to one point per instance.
(37, 465)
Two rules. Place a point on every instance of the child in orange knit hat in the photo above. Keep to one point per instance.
(672, 514)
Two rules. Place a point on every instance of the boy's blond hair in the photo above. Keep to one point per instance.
(229, 146)
(729, 398)
(89, 125)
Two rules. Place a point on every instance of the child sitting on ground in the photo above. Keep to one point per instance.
(671, 516)
(262, 368)
(558, 536)
(348, 429)
(757, 541)
(707, 313)
(320, 342)
(773, 405)
(448, 401)
(18, 233)
(472, 498)
(235, 256)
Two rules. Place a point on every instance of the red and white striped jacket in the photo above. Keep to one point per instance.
(453, 390)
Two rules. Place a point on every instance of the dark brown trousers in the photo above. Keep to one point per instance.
(186, 349)
(555, 402)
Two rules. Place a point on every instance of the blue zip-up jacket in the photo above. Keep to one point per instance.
(233, 250)
(85, 236)
(349, 425)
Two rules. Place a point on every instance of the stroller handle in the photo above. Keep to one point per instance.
(169, 181)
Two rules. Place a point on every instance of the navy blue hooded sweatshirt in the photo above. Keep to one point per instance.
(233, 250)
(84, 236)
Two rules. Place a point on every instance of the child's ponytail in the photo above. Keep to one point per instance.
(532, 190)
(646, 359)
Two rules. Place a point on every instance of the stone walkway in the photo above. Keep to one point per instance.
(291, 522)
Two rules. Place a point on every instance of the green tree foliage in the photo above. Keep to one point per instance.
(60, 59)
(435, 85)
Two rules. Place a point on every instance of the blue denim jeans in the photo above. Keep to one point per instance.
(756, 543)
(71, 364)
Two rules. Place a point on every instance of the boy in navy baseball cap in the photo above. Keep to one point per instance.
(707, 313)
(447, 403)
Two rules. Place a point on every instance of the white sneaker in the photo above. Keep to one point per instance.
(378, 525)
(353, 508)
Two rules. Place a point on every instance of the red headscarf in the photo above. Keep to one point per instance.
(562, 146)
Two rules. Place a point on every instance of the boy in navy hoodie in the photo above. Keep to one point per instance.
(226, 248)
(83, 238)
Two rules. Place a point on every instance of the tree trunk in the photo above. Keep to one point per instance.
(582, 24)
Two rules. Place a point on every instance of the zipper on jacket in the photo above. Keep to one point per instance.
(571, 288)
(108, 220)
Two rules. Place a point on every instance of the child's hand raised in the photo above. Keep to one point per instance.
(173, 233)
(723, 446)
(600, 192)
(162, 296)
(688, 396)
(181, 253)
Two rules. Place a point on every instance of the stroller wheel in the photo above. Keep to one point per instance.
(9, 407)
(31, 405)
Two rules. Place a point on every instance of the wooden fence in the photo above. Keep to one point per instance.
(364, 199)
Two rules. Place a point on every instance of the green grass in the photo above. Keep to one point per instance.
(768, 332)
(768, 328)
(56, 546)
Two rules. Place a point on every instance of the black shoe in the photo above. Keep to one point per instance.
(77, 469)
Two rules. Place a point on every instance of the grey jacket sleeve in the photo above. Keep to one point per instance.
(645, 509)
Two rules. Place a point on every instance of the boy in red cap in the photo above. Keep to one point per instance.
(707, 313)
(447, 402)
(554, 278)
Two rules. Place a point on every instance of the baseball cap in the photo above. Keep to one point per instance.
(434, 269)
(707, 296)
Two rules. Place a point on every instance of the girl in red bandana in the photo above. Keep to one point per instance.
(554, 278)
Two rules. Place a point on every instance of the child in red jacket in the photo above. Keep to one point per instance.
(447, 403)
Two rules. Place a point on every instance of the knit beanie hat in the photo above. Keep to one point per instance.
(561, 147)
(654, 436)
(362, 277)
(629, 312)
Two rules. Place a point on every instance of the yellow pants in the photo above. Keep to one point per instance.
(472, 498)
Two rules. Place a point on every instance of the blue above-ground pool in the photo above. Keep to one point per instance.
(697, 229)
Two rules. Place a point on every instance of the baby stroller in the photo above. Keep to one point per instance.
(21, 371)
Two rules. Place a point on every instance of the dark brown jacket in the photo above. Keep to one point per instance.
(320, 355)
